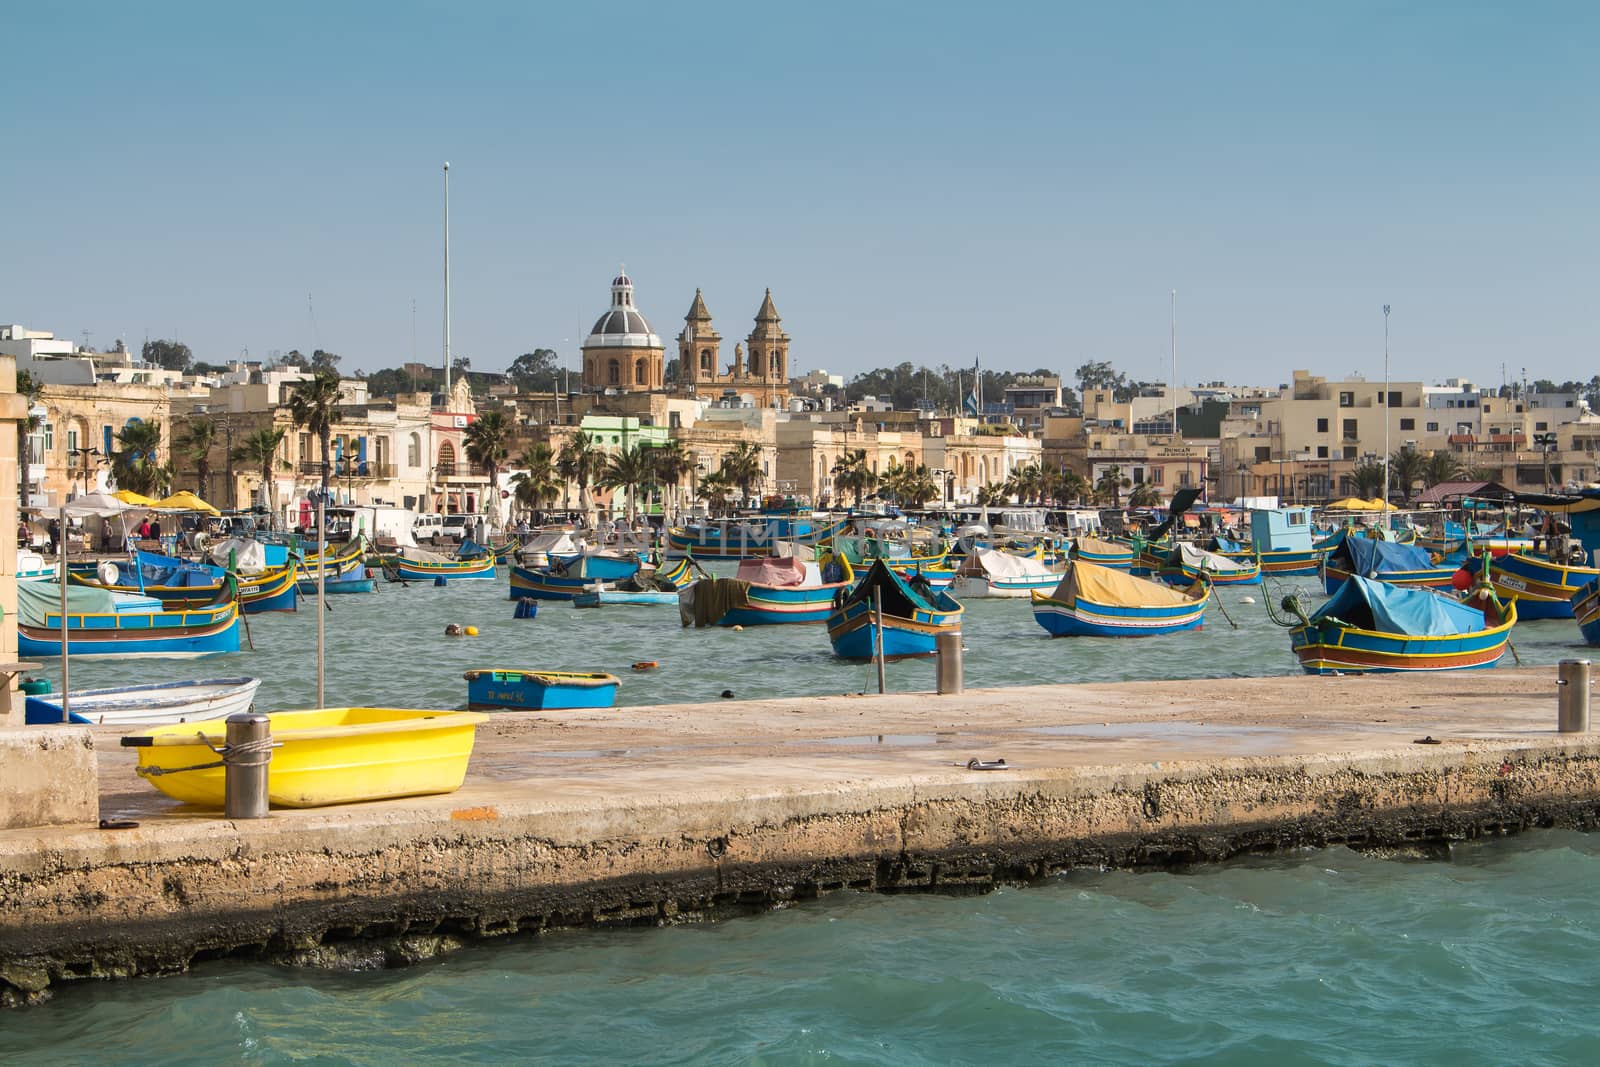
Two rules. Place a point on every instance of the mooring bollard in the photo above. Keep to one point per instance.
(948, 670)
(245, 758)
(1572, 696)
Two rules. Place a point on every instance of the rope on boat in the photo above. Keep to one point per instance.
(246, 754)
(1218, 600)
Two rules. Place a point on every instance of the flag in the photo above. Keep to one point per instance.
(970, 403)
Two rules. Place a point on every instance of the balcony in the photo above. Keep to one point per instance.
(347, 469)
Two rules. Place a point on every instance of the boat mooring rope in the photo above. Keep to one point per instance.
(245, 754)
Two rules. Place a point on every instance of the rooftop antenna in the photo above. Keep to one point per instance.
(447, 278)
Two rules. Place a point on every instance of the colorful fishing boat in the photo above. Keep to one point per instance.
(568, 576)
(105, 624)
(320, 757)
(1189, 563)
(767, 592)
(1100, 553)
(990, 573)
(1280, 543)
(912, 618)
(1374, 627)
(748, 538)
(1543, 587)
(176, 582)
(362, 581)
(335, 560)
(417, 565)
(273, 590)
(540, 690)
(597, 598)
(1095, 601)
(1407, 566)
(1586, 609)
(146, 705)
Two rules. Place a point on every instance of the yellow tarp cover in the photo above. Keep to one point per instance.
(1355, 503)
(185, 501)
(1102, 548)
(138, 500)
(1103, 585)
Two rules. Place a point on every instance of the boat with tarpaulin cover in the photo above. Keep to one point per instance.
(1188, 563)
(1102, 553)
(988, 572)
(1373, 627)
(101, 623)
(567, 576)
(1095, 601)
(767, 592)
(1407, 566)
(419, 565)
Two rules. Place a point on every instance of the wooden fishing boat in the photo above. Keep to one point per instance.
(1102, 553)
(1543, 587)
(1095, 601)
(362, 581)
(566, 577)
(990, 573)
(596, 598)
(336, 560)
(912, 618)
(747, 538)
(1407, 566)
(99, 625)
(676, 573)
(273, 590)
(540, 690)
(1188, 563)
(176, 582)
(1373, 627)
(1280, 543)
(766, 592)
(1586, 609)
(415, 565)
(147, 705)
(323, 756)
(937, 577)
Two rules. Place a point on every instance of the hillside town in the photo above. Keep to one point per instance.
(706, 427)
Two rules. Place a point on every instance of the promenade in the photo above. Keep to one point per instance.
(673, 812)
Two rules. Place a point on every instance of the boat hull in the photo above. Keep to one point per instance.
(357, 584)
(1184, 574)
(536, 691)
(970, 585)
(1088, 619)
(414, 571)
(1586, 609)
(269, 591)
(854, 634)
(1432, 578)
(1329, 648)
(165, 635)
(148, 705)
(593, 598)
(1543, 590)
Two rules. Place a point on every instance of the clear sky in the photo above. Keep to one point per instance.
(917, 181)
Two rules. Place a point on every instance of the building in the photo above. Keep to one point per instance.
(70, 448)
(622, 354)
(758, 374)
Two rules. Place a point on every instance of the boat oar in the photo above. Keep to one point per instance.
(1222, 609)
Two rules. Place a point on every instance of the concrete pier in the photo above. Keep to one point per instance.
(660, 814)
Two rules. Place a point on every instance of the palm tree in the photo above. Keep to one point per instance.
(486, 446)
(673, 464)
(314, 405)
(580, 460)
(1441, 466)
(536, 484)
(1111, 485)
(1406, 466)
(917, 486)
(29, 390)
(715, 488)
(1367, 477)
(136, 464)
(632, 470)
(1144, 495)
(198, 437)
(852, 475)
(261, 449)
(1068, 486)
(743, 466)
(990, 494)
(1028, 482)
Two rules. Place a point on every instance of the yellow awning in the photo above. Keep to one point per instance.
(184, 501)
(138, 500)
(1355, 503)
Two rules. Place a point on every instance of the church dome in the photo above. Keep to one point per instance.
(621, 325)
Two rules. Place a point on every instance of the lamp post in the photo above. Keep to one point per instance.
(1547, 445)
(1386, 419)
(1242, 470)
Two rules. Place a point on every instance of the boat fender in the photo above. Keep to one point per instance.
(470, 631)
(646, 665)
(108, 572)
(738, 629)
(1247, 600)
(452, 630)
(371, 573)
(727, 694)
(439, 581)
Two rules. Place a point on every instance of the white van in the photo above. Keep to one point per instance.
(428, 526)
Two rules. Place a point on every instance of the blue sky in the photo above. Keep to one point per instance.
(914, 181)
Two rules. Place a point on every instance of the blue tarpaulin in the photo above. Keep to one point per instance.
(1394, 609)
(1371, 557)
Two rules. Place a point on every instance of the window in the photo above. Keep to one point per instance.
(755, 363)
(705, 360)
(1347, 400)
(1183, 479)
(72, 442)
(1470, 402)
(414, 451)
(1349, 430)
(1349, 451)
(641, 373)
(614, 375)
(1433, 427)
(1408, 424)
(1263, 454)
(1322, 451)
(1322, 425)
(1156, 474)
(1536, 426)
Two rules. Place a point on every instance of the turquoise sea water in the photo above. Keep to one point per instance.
(1314, 957)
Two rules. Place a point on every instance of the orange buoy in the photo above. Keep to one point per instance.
(646, 665)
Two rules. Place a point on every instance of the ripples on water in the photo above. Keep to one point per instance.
(1319, 957)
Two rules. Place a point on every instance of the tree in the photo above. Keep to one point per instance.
(536, 372)
(579, 461)
(486, 441)
(261, 450)
(321, 360)
(314, 405)
(1406, 466)
(1068, 486)
(1367, 478)
(536, 485)
(1441, 466)
(714, 489)
(673, 464)
(1111, 484)
(743, 466)
(989, 495)
(852, 475)
(172, 355)
(293, 359)
(1144, 495)
(199, 435)
(633, 470)
(916, 486)
(136, 465)
(29, 389)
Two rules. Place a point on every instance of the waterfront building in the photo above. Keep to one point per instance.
(71, 446)
(758, 374)
(622, 354)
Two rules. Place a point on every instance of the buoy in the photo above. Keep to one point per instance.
(371, 573)
(452, 630)
(471, 631)
(738, 629)
(527, 608)
(1247, 600)
(646, 665)
(727, 694)
(440, 580)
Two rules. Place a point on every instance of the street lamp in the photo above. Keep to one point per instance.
(1386, 414)
(1547, 445)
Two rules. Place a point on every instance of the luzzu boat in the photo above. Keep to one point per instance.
(1102, 553)
(177, 582)
(1095, 601)
(416, 565)
(989, 573)
(540, 690)
(324, 756)
(105, 624)
(766, 592)
(273, 590)
(597, 598)
(567, 576)
(1586, 609)
(1372, 627)
(912, 619)
(747, 538)
(1280, 543)
(1407, 566)
(1543, 588)
(1188, 563)
(147, 705)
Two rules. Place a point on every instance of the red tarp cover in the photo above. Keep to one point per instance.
(782, 572)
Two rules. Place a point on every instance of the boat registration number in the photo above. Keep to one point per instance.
(1513, 583)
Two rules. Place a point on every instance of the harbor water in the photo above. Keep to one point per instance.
(1326, 957)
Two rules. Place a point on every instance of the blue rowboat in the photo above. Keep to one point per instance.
(418, 569)
(540, 690)
(1094, 601)
(595, 598)
(568, 576)
(748, 538)
(1408, 566)
(912, 619)
(766, 592)
(1586, 609)
(147, 705)
(97, 625)
(1102, 553)
(1543, 588)
(1371, 627)
(1187, 564)
(356, 582)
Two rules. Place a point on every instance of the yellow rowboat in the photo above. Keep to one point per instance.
(323, 756)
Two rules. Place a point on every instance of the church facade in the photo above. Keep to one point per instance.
(760, 367)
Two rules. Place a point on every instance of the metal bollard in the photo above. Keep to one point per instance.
(948, 670)
(246, 761)
(1572, 696)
